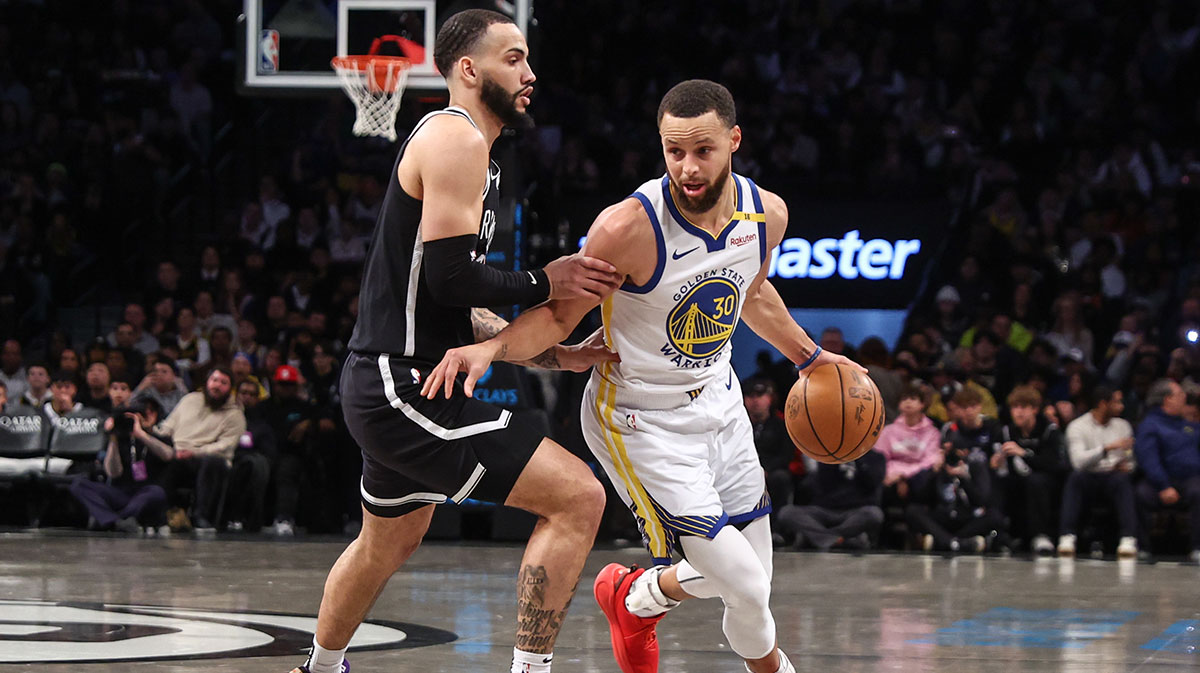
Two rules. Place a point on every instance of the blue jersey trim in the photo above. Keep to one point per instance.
(629, 286)
(762, 226)
(761, 509)
(711, 242)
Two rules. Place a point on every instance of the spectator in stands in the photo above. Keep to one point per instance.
(3, 398)
(163, 385)
(68, 361)
(62, 396)
(132, 497)
(291, 419)
(205, 427)
(911, 444)
(845, 509)
(163, 320)
(166, 284)
(1069, 329)
(274, 329)
(234, 299)
(775, 449)
(959, 518)
(873, 354)
(1030, 463)
(251, 472)
(207, 319)
(12, 369)
(1100, 443)
(96, 384)
(209, 278)
(834, 341)
(221, 349)
(950, 318)
(274, 209)
(1169, 454)
(136, 337)
(194, 351)
(37, 388)
(120, 393)
(247, 342)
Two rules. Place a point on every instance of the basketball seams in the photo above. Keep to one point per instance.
(808, 413)
(842, 399)
(875, 408)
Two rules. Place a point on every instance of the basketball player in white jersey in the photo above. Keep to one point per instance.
(667, 420)
(424, 275)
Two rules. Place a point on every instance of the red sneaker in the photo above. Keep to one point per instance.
(634, 642)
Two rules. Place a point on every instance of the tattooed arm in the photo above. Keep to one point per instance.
(486, 325)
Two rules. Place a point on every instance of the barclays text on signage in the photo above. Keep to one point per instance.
(850, 257)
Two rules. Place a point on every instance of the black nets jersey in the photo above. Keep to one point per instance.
(397, 313)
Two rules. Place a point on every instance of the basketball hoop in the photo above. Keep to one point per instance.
(375, 83)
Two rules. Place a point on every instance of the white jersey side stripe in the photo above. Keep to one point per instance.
(389, 389)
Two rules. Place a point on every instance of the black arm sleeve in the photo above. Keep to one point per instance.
(456, 280)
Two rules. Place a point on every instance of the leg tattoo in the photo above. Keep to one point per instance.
(537, 624)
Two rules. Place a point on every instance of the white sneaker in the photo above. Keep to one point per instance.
(284, 528)
(235, 527)
(1127, 548)
(1066, 545)
(1042, 545)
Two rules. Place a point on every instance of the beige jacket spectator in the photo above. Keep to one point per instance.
(197, 428)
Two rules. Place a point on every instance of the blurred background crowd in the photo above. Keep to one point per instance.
(161, 235)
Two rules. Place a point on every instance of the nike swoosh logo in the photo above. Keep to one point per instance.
(532, 278)
(678, 255)
(729, 386)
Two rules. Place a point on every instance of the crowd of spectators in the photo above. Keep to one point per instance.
(1065, 133)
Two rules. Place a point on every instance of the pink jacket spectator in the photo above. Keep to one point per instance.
(909, 449)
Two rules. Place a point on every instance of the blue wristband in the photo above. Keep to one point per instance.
(812, 358)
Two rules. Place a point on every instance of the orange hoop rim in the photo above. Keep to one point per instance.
(364, 61)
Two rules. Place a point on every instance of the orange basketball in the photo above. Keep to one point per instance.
(834, 414)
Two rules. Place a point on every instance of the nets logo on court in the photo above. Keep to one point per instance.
(37, 632)
(703, 320)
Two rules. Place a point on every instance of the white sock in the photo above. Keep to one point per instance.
(325, 661)
(646, 598)
(530, 662)
(785, 666)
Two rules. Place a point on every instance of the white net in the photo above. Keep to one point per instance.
(375, 84)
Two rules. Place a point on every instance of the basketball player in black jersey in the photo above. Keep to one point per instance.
(423, 276)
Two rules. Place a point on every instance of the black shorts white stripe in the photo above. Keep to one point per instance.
(418, 451)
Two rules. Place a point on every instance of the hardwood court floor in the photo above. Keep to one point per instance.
(78, 596)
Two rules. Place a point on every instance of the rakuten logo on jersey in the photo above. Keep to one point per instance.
(850, 257)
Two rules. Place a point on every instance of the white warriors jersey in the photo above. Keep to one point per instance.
(673, 332)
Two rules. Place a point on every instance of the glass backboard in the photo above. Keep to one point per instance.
(287, 44)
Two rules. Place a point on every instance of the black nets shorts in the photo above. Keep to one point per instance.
(418, 451)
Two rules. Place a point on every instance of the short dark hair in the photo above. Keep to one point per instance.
(913, 392)
(223, 370)
(460, 35)
(1101, 392)
(696, 97)
(162, 359)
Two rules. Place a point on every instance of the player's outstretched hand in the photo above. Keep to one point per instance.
(586, 354)
(474, 360)
(580, 276)
(827, 358)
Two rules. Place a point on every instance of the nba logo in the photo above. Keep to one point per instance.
(268, 52)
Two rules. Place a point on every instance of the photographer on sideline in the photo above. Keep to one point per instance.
(132, 497)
